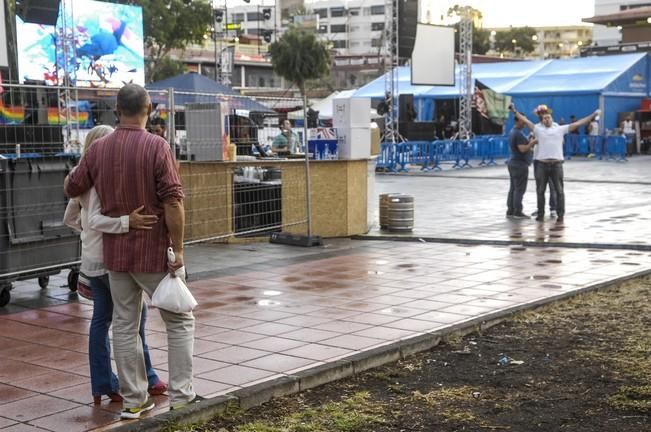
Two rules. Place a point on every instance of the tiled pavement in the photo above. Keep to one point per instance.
(268, 311)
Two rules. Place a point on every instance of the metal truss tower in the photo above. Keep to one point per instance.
(66, 71)
(391, 91)
(465, 74)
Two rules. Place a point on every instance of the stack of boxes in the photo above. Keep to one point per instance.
(352, 119)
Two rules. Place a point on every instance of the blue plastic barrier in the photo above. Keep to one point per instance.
(486, 150)
(616, 145)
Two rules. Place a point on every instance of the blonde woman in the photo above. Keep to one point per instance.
(84, 214)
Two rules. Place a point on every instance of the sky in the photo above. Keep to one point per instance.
(518, 13)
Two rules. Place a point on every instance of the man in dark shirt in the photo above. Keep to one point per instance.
(518, 169)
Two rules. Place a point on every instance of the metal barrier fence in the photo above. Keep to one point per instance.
(41, 140)
(611, 147)
(485, 151)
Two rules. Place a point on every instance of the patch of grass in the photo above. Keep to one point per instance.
(358, 413)
(450, 404)
(632, 398)
(445, 395)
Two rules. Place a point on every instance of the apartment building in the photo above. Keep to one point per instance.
(605, 36)
(556, 41)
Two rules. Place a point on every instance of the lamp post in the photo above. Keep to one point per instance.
(220, 21)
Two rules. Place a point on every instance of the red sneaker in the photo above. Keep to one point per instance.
(158, 389)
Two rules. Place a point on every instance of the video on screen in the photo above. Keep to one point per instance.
(107, 40)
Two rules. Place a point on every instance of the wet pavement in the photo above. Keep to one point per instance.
(269, 311)
(607, 203)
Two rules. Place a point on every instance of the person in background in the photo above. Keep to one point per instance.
(628, 129)
(550, 155)
(84, 215)
(286, 142)
(593, 136)
(129, 168)
(518, 169)
(157, 126)
(440, 127)
(572, 120)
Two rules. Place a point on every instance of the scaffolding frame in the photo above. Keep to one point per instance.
(66, 74)
(391, 90)
(465, 74)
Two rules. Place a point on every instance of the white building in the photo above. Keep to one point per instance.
(604, 36)
(352, 27)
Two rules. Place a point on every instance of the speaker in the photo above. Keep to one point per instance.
(38, 11)
(406, 109)
(407, 20)
(417, 131)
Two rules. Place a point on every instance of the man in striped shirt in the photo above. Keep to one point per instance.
(129, 168)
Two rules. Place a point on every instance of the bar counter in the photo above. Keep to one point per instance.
(339, 192)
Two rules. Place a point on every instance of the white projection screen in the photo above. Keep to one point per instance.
(432, 61)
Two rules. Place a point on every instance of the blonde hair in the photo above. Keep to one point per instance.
(95, 133)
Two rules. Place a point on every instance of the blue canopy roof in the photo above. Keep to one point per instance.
(626, 73)
(583, 75)
(191, 82)
(196, 88)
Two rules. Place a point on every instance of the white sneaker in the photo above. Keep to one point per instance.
(134, 413)
(553, 214)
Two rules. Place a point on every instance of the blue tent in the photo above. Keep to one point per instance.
(571, 86)
(196, 88)
(579, 86)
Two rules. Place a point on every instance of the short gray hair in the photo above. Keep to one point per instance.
(132, 100)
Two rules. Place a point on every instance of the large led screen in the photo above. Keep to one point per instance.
(107, 40)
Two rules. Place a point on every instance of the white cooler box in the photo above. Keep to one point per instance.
(355, 143)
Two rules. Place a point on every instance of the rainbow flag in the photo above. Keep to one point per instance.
(11, 114)
(56, 117)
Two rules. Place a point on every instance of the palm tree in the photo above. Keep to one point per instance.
(299, 56)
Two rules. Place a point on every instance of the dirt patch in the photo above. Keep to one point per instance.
(578, 365)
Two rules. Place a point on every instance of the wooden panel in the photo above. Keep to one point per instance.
(339, 197)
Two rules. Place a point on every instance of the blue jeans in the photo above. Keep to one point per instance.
(102, 378)
(519, 174)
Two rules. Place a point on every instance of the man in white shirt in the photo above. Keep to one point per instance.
(549, 154)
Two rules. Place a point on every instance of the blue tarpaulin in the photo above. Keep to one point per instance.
(575, 86)
(196, 88)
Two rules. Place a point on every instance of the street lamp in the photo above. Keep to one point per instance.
(220, 19)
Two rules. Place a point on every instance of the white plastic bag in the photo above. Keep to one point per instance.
(171, 293)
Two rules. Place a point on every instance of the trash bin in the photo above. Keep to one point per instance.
(396, 212)
(34, 242)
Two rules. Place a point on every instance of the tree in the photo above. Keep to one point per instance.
(167, 67)
(299, 56)
(173, 24)
(459, 11)
(516, 39)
